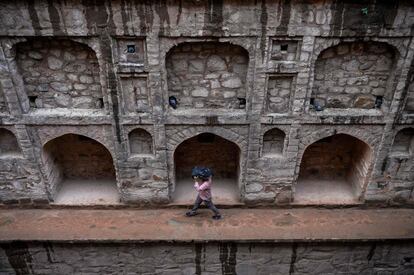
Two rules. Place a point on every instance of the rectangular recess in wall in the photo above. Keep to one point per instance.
(284, 49)
(279, 92)
(131, 54)
(135, 93)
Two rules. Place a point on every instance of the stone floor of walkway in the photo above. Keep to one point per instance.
(237, 224)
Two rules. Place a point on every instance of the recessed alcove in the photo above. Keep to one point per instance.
(9, 148)
(273, 143)
(80, 171)
(403, 142)
(333, 170)
(140, 142)
(207, 75)
(354, 75)
(59, 73)
(212, 151)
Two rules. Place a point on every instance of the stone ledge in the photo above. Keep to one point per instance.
(243, 225)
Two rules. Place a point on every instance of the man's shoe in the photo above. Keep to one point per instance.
(191, 213)
(216, 217)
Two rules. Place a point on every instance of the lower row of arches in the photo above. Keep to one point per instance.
(334, 169)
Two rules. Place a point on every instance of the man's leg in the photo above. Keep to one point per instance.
(213, 208)
(197, 204)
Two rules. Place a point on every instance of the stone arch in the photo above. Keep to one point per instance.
(140, 142)
(9, 146)
(403, 142)
(79, 170)
(338, 83)
(208, 74)
(59, 73)
(210, 150)
(334, 170)
(239, 140)
(273, 142)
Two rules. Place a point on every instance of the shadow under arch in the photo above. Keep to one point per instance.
(215, 152)
(79, 170)
(334, 170)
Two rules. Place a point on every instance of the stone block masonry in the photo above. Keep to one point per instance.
(59, 74)
(208, 75)
(240, 72)
(354, 75)
(206, 258)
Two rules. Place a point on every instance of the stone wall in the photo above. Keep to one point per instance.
(279, 91)
(251, 66)
(409, 105)
(3, 103)
(207, 258)
(59, 73)
(20, 178)
(208, 75)
(354, 75)
(398, 167)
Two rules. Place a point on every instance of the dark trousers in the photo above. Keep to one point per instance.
(208, 203)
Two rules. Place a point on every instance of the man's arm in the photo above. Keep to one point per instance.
(205, 185)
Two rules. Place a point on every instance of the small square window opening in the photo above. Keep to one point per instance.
(131, 49)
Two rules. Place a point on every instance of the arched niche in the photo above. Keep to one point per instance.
(273, 143)
(333, 170)
(9, 148)
(403, 142)
(59, 73)
(212, 151)
(207, 75)
(354, 75)
(79, 170)
(140, 142)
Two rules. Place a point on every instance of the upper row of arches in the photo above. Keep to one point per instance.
(61, 73)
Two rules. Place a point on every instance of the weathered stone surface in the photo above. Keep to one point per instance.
(178, 258)
(360, 67)
(59, 65)
(54, 63)
(63, 100)
(211, 66)
(200, 92)
(365, 102)
(216, 63)
(233, 82)
(61, 87)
